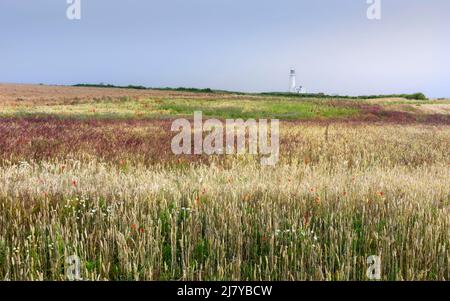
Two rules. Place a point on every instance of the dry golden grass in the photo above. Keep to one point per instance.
(23, 94)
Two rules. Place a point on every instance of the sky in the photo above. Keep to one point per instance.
(239, 45)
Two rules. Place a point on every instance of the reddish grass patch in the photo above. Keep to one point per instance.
(111, 140)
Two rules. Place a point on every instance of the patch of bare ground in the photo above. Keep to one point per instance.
(385, 100)
(433, 108)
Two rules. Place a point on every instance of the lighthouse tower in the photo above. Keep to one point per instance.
(292, 83)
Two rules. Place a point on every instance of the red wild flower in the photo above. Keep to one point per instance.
(74, 183)
(318, 200)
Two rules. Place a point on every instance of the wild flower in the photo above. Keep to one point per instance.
(186, 209)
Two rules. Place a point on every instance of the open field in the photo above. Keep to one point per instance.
(90, 172)
(131, 104)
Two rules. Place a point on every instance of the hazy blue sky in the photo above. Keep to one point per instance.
(246, 45)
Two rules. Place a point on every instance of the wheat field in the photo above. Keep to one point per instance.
(341, 192)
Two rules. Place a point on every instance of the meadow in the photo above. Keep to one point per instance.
(91, 173)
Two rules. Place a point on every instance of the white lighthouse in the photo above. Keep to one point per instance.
(293, 88)
(292, 83)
